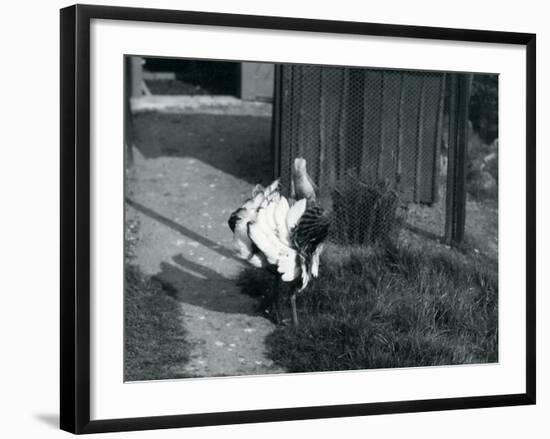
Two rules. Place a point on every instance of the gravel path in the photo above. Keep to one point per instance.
(182, 205)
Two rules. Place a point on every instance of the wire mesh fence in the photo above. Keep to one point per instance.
(390, 151)
(372, 140)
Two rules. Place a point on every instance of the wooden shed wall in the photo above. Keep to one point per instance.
(375, 124)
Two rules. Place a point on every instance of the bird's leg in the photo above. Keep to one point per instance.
(274, 299)
(293, 304)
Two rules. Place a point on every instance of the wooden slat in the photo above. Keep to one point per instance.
(412, 91)
(332, 88)
(342, 129)
(311, 117)
(322, 129)
(389, 126)
(428, 165)
(382, 124)
(399, 146)
(419, 140)
(372, 122)
(438, 139)
(287, 124)
(381, 142)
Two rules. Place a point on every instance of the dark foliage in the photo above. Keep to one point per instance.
(365, 213)
(484, 107)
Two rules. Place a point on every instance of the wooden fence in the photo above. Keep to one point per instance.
(382, 125)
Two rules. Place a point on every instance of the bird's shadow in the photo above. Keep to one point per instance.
(196, 284)
(192, 283)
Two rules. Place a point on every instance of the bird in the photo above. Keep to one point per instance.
(284, 235)
(302, 185)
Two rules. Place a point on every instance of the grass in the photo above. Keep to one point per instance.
(155, 339)
(155, 344)
(393, 307)
(365, 212)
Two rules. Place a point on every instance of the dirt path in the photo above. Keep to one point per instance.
(182, 205)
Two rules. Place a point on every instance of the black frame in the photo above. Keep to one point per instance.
(75, 217)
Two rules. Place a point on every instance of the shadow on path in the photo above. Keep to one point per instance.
(236, 145)
(183, 230)
(201, 286)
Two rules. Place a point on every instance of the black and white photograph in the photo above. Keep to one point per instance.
(290, 218)
(275, 219)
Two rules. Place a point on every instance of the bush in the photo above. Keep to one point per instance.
(365, 213)
(484, 107)
(482, 170)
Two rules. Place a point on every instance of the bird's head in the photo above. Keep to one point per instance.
(299, 166)
(232, 221)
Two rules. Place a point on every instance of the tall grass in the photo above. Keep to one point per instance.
(397, 307)
(365, 213)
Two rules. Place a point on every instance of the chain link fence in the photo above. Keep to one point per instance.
(372, 140)
(390, 150)
(394, 150)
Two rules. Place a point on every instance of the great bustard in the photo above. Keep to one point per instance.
(271, 231)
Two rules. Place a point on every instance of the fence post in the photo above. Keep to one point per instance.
(136, 76)
(133, 88)
(455, 208)
(276, 120)
(129, 157)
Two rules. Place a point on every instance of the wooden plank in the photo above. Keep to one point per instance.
(381, 142)
(370, 146)
(310, 117)
(400, 123)
(356, 110)
(438, 139)
(342, 129)
(390, 125)
(333, 80)
(428, 166)
(287, 123)
(299, 110)
(322, 129)
(412, 92)
(419, 140)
